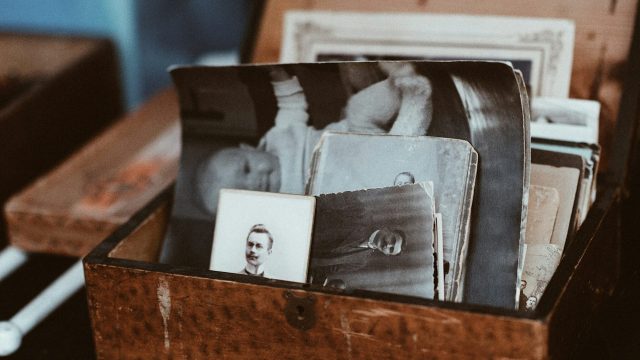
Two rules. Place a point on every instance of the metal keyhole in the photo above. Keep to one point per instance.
(299, 311)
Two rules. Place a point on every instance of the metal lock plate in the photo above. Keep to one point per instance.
(300, 311)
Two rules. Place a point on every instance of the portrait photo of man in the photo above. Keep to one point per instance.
(376, 239)
(259, 246)
(351, 254)
(263, 235)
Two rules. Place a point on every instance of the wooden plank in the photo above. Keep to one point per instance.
(144, 243)
(603, 37)
(595, 258)
(78, 204)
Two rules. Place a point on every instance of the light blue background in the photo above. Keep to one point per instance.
(150, 35)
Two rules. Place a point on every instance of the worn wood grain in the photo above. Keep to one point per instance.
(139, 313)
(144, 243)
(144, 309)
(79, 203)
(603, 36)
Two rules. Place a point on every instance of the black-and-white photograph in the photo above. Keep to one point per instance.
(541, 48)
(263, 234)
(290, 106)
(376, 161)
(525, 66)
(565, 119)
(376, 239)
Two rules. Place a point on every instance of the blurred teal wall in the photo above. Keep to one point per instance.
(150, 34)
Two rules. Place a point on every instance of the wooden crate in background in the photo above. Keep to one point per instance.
(70, 90)
(82, 201)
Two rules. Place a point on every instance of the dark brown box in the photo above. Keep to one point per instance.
(69, 89)
(143, 309)
(140, 308)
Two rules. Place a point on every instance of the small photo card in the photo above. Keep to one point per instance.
(377, 239)
(263, 234)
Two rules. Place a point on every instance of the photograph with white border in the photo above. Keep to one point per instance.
(263, 234)
(572, 120)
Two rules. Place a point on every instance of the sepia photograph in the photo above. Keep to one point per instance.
(590, 153)
(290, 106)
(376, 239)
(541, 261)
(263, 234)
(541, 48)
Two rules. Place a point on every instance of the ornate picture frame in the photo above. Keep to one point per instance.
(542, 48)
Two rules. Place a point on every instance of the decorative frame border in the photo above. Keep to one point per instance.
(546, 43)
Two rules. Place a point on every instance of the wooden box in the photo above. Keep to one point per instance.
(78, 204)
(143, 309)
(66, 89)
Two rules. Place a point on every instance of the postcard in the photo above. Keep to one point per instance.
(263, 234)
(544, 203)
(591, 155)
(377, 239)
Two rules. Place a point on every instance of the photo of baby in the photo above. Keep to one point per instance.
(397, 105)
(255, 127)
(388, 97)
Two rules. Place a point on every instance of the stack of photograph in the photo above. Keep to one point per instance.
(425, 170)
